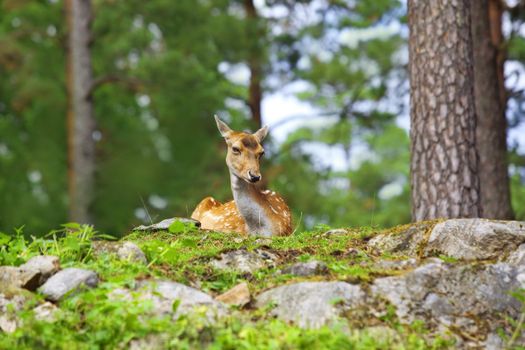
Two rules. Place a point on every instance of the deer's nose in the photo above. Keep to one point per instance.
(254, 178)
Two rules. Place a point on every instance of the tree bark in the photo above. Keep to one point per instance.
(444, 163)
(254, 63)
(80, 119)
(491, 100)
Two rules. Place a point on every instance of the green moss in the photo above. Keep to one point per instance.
(90, 320)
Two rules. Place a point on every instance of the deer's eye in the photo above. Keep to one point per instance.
(235, 150)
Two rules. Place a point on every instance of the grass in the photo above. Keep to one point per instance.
(90, 320)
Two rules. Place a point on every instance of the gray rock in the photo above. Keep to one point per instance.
(8, 324)
(310, 268)
(130, 251)
(8, 320)
(165, 224)
(241, 261)
(475, 239)
(396, 264)
(12, 277)
(47, 265)
(312, 304)
(124, 250)
(46, 312)
(163, 295)
(407, 239)
(382, 335)
(517, 257)
(494, 342)
(66, 281)
(150, 342)
(264, 241)
(336, 231)
(454, 296)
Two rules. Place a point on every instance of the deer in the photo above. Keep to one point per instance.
(252, 211)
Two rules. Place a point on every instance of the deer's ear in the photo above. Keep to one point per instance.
(261, 133)
(224, 129)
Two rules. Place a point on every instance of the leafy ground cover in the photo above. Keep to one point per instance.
(91, 320)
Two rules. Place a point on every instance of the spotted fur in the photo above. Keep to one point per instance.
(251, 211)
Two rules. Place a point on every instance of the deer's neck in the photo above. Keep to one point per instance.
(249, 202)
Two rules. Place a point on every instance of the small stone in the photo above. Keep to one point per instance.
(238, 295)
(130, 251)
(238, 240)
(12, 277)
(66, 281)
(396, 264)
(47, 265)
(382, 334)
(9, 322)
(336, 231)
(269, 257)
(239, 260)
(16, 302)
(310, 268)
(165, 224)
(263, 241)
(45, 312)
(353, 252)
(150, 342)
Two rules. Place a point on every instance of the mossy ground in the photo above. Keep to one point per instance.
(89, 320)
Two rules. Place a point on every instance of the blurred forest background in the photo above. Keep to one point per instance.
(162, 68)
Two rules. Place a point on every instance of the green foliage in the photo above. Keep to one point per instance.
(159, 152)
(91, 319)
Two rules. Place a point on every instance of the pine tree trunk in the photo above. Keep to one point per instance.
(254, 63)
(81, 123)
(444, 164)
(490, 96)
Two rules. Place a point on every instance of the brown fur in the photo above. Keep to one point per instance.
(269, 206)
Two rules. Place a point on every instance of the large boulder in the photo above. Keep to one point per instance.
(67, 281)
(312, 304)
(475, 239)
(465, 239)
(473, 298)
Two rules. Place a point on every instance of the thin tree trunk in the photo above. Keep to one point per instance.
(81, 123)
(490, 96)
(254, 63)
(444, 164)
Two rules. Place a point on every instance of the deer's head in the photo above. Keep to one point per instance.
(244, 151)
